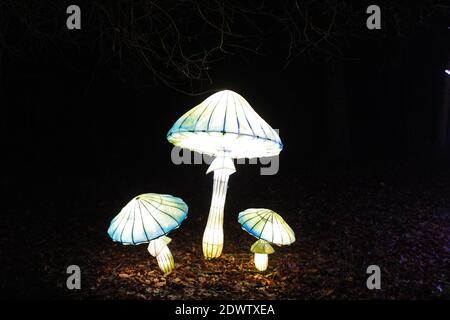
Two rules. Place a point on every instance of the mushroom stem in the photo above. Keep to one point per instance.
(262, 249)
(165, 261)
(158, 248)
(261, 261)
(212, 243)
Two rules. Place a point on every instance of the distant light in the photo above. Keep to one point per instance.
(447, 72)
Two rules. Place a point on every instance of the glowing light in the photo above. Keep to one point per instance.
(147, 218)
(447, 71)
(261, 249)
(158, 248)
(261, 261)
(269, 227)
(165, 261)
(213, 236)
(224, 126)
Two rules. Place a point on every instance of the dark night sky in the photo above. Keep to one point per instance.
(89, 119)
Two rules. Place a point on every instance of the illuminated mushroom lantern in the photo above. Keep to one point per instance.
(148, 218)
(268, 227)
(224, 126)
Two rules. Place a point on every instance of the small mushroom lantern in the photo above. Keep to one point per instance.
(224, 126)
(148, 218)
(268, 227)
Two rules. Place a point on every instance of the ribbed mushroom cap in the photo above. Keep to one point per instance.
(262, 246)
(225, 123)
(147, 217)
(266, 225)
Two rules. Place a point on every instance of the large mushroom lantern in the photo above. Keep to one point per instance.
(226, 127)
(269, 228)
(148, 218)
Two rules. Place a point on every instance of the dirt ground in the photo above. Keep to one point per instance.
(343, 223)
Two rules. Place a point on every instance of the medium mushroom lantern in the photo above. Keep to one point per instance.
(226, 127)
(268, 227)
(148, 218)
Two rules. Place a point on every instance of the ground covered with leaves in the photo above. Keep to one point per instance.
(343, 222)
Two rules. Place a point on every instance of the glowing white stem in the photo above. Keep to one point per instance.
(158, 248)
(213, 235)
(165, 261)
(261, 261)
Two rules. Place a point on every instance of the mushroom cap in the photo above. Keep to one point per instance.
(262, 247)
(225, 123)
(266, 225)
(147, 217)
